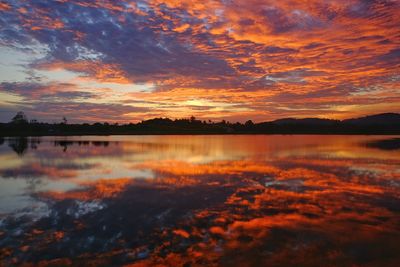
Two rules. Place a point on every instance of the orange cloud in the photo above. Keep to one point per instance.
(269, 59)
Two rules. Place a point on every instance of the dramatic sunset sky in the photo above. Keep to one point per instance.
(124, 61)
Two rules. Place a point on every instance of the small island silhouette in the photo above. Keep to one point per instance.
(385, 123)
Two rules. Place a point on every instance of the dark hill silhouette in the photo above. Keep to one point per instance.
(378, 119)
(306, 121)
(386, 123)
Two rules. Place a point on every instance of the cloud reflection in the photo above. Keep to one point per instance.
(308, 203)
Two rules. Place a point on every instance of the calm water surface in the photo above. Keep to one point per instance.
(199, 201)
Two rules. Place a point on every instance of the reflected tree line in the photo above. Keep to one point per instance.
(21, 144)
(66, 143)
(386, 123)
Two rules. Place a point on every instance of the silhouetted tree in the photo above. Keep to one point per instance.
(249, 123)
(19, 118)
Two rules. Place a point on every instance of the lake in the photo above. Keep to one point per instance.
(216, 200)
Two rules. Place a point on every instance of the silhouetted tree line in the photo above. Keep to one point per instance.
(386, 123)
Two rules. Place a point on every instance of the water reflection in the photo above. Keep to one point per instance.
(200, 200)
(19, 145)
(66, 143)
(386, 144)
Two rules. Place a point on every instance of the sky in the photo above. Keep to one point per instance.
(127, 61)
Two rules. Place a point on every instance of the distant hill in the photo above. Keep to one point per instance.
(381, 119)
(386, 123)
(312, 121)
(378, 119)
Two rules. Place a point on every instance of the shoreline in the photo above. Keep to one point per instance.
(195, 134)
